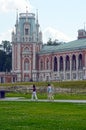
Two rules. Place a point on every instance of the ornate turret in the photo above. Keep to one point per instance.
(27, 28)
(37, 27)
(16, 25)
(81, 34)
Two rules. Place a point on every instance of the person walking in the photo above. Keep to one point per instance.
(34, 95)
(50, 92)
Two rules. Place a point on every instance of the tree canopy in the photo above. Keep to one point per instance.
(7, 46)
(55, 42)
(6, 57)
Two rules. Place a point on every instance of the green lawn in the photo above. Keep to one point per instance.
(44, 96)
(42, 116)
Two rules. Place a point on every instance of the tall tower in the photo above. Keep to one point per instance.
(26, 43)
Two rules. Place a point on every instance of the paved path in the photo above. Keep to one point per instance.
(40, 100)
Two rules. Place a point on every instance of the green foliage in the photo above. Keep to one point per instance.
(42, 116)
(49, 42)
(5, 61)
(2, 60)
(7, 46)
(6, 57)
(8, 62)
(55, 42)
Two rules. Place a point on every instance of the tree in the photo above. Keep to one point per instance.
(8, 62)
(7, 46)
(49, 42)
(5, 61)
(55, 42)
(2, 60)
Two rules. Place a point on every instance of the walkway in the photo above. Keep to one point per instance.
(40, 100)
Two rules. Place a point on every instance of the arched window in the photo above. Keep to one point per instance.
(67, 63)
(47, 64)
(73, 62)
(55, 64)
(80, 61)
(26, 49)
(61, 63)
(41, 64)
(26, 65)
(26, 31)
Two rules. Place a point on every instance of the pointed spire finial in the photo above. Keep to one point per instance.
(37, 16)
(17, 16)
(26, 14)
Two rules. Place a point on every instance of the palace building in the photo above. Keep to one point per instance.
(33, 60)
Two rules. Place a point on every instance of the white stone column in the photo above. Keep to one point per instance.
(18, 56)
(52, 69)
(64, 67)
(52, 63)
(34, 57)
(13, 57)
(85, 67)
(33, 60)
(58, 66)
(85, 61)
(70, 67)
(77, 66)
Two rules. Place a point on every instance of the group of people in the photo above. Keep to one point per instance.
(50, 92)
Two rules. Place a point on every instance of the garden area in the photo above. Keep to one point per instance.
(42, 116)
(35, 115)
(62, 89)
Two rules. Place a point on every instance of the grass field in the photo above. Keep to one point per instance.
(42, 116)
(44, 96)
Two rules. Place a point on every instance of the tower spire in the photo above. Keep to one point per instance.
(37, 26)
(16, 25)
(26, 14)
(37, 16)
(16, 16)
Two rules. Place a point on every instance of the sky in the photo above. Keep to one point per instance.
(58, 19)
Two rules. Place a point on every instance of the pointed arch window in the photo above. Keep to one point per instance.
(41, 64)
(26, 31)
(61, 63)
(67, 63)
(80, 62)
(47, 64)
(73, 62)
(55, 63)
(26, 65)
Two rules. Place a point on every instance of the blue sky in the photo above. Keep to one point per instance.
(59, 19)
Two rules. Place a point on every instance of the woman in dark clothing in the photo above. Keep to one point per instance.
(34, 95)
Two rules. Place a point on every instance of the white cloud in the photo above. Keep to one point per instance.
(6, 35)
(12, 5)
(9, 6)
(47, 33)
(52, 33)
